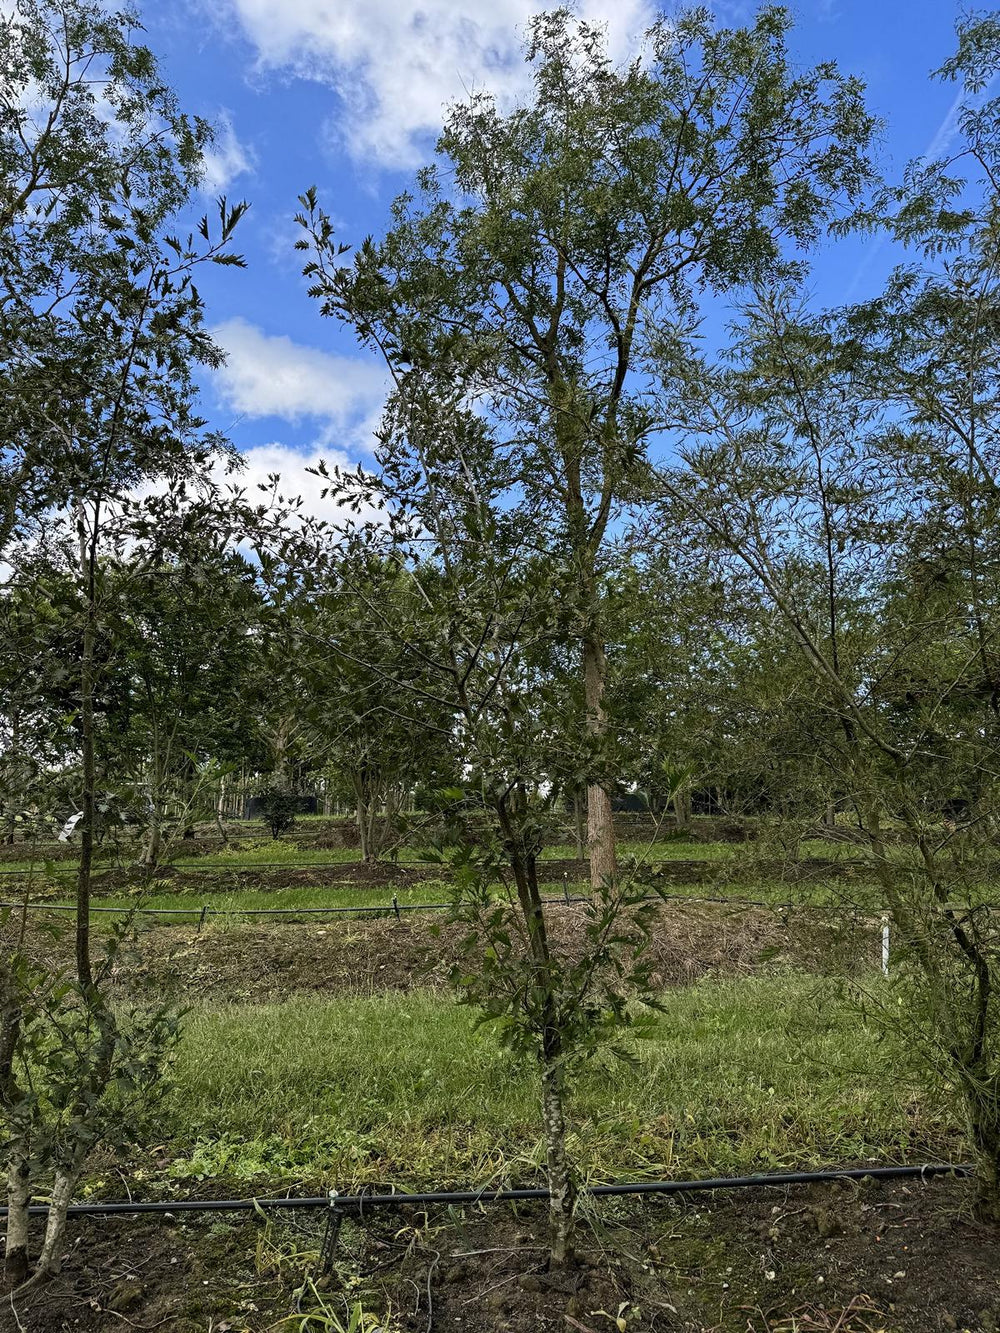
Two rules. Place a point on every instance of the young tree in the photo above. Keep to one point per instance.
(462, 611)
(95, 157)
(851, 464)
(101, 330)
(542, 256)
(356, 703)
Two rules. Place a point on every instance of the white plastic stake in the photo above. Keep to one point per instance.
(885, 946)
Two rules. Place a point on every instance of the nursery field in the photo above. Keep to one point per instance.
(323, 1048)
(630, 611)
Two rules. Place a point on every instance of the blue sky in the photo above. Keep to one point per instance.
(347, 95)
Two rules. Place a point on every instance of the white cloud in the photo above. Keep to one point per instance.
(225, 159)
(266, 460)
(396, 63)
(268, 376)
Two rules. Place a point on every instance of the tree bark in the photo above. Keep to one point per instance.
(562, 1203)
(88, 802)
(16, 1268)
(562, 1206)
(984, 1133)
(50, 1258)
(600, 821)
(154, 841)
(361, 817)
(88, 688)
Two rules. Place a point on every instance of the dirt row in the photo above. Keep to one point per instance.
(389, 874)
(226, 963)
(903, 1257)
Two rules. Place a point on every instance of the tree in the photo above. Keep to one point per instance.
(850, 464)
(184, 615)
(541, 259)
(462, 614)
(95, 157)
(101, 329)
(356, 704)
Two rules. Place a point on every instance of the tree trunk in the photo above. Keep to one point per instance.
(88, 803)
(220, 814)
(600, 821)
(682, 809)
(984, 1133)
(562, 1203)
(523, 863)
(154, 842)
(15, 1268)
(50, 1259)
(361, 817)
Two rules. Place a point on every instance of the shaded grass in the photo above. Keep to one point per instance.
(236, 905)
(283, 853)
(757, 1074)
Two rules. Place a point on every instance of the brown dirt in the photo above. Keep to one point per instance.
(889, 1258)
(239, 963)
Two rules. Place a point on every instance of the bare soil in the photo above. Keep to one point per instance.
(904, 1257)
(238, 962)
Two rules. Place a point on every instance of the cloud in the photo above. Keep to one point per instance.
(394, 64)
(225, 159)
(291, 465)
(272, 376)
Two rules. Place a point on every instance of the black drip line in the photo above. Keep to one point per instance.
(359, 1202)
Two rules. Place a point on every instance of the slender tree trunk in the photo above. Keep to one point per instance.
(16, 1268)
(88, 803)
(154, 842)
(50, 1258)
(562, 1204)
(682, 809)
(600, 821)
(984, 1132)
(220, 814)
(361, 818)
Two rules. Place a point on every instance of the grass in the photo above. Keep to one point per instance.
(762, 1073)
(185, 907)
(246, 855)
(248, 900)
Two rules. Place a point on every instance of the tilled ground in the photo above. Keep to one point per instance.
(238, 962)
(904, 1257)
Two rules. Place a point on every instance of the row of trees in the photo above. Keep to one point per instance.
(595, 550)
(806, 515)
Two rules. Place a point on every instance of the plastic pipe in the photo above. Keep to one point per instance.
(362, 1201)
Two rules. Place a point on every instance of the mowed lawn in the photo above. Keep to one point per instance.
(743, 1075)
(279, 853)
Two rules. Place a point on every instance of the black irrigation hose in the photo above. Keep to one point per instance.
(359, 1202)
(204, 910)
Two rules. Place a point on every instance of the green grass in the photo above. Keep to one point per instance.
(185, 907)
(247, 900)
(679, 849)
(762, 1073)
(271, 852)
